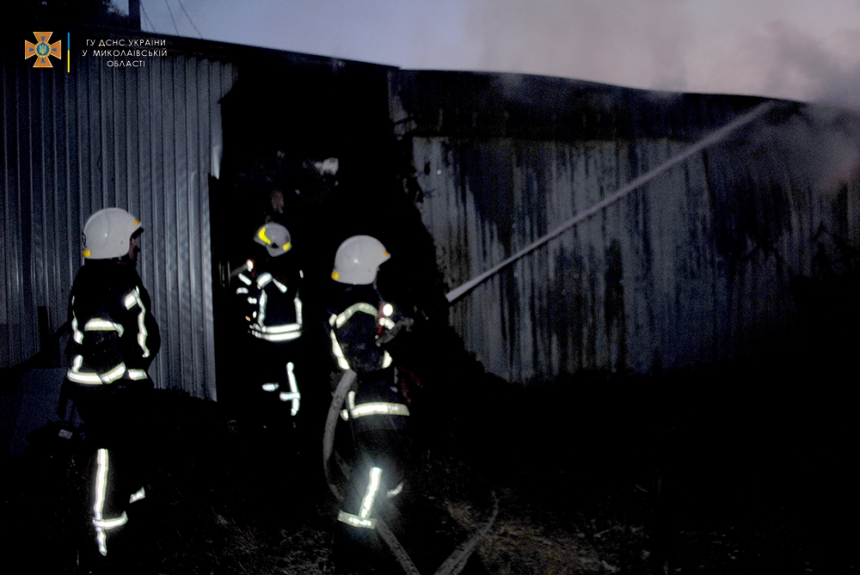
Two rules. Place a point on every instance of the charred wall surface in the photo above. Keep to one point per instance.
(705, 264)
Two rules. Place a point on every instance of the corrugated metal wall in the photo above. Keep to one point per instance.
(144, 139)
(693, 268)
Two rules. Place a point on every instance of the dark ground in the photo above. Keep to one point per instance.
(597, 474)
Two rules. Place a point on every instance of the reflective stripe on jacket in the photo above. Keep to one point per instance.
(114, 334)
(277, 308)
(354, 328)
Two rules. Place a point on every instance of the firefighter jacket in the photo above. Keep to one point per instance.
(272, 306)
(356, 322)
(114, 334)
(358, 325)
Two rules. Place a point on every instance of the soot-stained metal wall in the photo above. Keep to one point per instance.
(145, 139)
(694, 268)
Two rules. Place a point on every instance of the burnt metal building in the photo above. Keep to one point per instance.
(697, 266)
(710, 262)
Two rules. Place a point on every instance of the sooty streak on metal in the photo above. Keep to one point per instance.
(693, 267)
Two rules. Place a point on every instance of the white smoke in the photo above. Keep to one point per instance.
(795, 49)
(810, 68)
(583, 40)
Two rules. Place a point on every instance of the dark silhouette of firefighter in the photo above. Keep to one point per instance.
(269, 300)
(361, 324)
(114, 340)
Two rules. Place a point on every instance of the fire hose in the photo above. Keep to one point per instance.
(712, 138)
(456, 561)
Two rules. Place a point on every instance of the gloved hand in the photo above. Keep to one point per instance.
(389, 334)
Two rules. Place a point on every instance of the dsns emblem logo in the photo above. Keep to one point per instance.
(42, 50)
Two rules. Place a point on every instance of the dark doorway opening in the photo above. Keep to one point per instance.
(308, 143)
(302, 142)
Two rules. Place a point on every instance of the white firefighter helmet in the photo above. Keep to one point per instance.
(357, 260)
(275, 238)
(107, 234)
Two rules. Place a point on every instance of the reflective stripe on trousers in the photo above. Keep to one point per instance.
(102, 486)
(364, 519)
(354, 411)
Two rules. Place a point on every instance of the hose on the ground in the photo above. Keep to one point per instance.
(457, 560)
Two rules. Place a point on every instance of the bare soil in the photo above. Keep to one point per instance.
(584, 483)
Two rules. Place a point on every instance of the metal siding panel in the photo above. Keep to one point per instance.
(9, 256)
(193, 214)
(28, 134)
(221, 79)
(157, 233)
(58, 223)
(39, 99)
(166, 155)
(184, 180)
(47, 215)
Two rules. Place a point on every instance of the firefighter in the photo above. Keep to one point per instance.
(114, 340)
(360, 323)
(268, 293)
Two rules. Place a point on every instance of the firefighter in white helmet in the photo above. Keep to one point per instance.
(268, 295)
(114, 340)
(360, 323)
